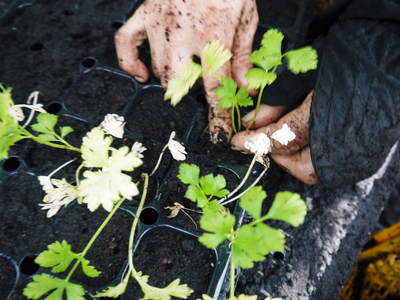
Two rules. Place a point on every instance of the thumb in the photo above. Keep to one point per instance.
(127, 40)
(243, 42)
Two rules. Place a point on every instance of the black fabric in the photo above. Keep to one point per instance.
(355, 115)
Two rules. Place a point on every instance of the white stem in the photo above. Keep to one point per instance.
(33, 97)
(61, 167)
(159, 160)
(243, 180)
(245, 191)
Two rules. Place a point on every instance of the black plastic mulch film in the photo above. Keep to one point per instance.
(151, 219)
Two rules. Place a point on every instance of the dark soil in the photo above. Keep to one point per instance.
(166, 254)
(42, 49)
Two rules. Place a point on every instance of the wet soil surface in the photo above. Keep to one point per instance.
(43, 49)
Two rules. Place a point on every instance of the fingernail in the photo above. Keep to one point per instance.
(138, 78)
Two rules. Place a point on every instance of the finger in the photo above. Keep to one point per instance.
(176, 60)
(266, 115)
(243, 42)
(299, 165)
(219, 119)
(127, 40)
(240, 139)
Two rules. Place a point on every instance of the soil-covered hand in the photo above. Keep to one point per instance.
(295, 157)
(177, 31)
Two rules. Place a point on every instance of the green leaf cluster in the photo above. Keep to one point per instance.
(45, 125)
(201, 189)
(252, 241)
(58, 257)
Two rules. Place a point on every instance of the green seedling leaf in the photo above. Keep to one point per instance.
(6, 102)
(218, 222)
(105, 188)
(288, 207)
(242, 97)
(43, 284)
(95, 148)
(65, 130)
(174, 289)
(214, 185)
(215, 56)
(253, 242)
(47, 137)
(87, 269)
(270, 54)
(259, 78)
(9, 136)
(227, 92)
(178, 87)
(272, 40)
(229, 96)
(195, 194)
(252, 201)
(302, 60)
(45, 123)
(58, 257)
(189, 173)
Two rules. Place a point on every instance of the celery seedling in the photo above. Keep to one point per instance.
(231, 97)
(12, 132)
(269, 57)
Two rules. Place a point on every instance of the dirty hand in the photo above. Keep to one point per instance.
(295, 157)
(177, 31)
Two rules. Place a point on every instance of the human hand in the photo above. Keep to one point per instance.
(294, 157)
(177, 31)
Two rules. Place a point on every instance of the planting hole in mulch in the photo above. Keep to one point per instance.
(149, 216)
(28, 265)
(11, 164)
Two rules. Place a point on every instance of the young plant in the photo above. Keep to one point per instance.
(12, 132)
(232, 98)
(250, 242)
(269, 57)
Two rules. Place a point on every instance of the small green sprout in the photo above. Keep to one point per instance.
(201, 189)
(231, 97)
(12, 132)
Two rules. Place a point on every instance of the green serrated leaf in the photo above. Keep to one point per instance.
(178, 87)
(58, 257)
(6, 102)
(45, 123)
(9, 136)
(264, 59)
(259, 78)
(253, 242)
(218, 222)
(65, 130)
(272, 40)
(288, 207)
(215, 56)
(227, 92)
(95, 148)
(243, 98)
(214, 185)
(189, 173)
(195, 194)
(302, 60)
(47, 137)
(252, 201)
(43, 283)
(87, 269)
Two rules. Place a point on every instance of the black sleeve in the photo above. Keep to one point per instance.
(355, 115)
